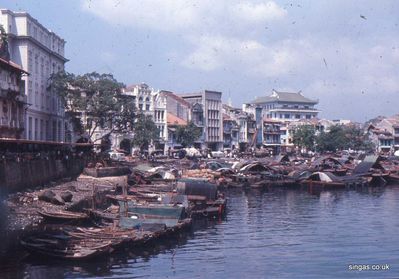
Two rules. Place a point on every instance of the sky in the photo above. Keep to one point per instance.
(345, 54)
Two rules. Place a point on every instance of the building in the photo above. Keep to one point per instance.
(385, 134)
(178, 114)
(176, 105)
(206, 113)
(12, 99)
(272, 135)
(230, 132)
(173, 123)
(151, 102)
(41, 53)
(245, 125)
(284, 106)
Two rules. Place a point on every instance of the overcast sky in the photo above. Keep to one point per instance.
(343, 53)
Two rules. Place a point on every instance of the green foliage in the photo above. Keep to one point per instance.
(333, 140)
(357, 139)
(99, 96)
(343, 137)
(145, 131)
(304, 137)
(3, 34)
(4, 52)
(188, 134)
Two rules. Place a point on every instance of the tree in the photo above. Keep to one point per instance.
(343, 137)
(357, 139)
(188, 134)
(99, 97)
(145, 131)
(4, 52)
(332, 140)
(304, 137)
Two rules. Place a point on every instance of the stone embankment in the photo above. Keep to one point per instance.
(21, 175)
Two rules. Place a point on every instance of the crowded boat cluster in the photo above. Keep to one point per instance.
(130, 204)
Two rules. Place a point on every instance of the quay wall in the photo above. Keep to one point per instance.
(17, 176)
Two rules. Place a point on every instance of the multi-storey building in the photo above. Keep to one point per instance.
(272, 135)
(176, 105)
(284, 106)
(178, 114)
(385, 134)
(230, 132)
(245, 125)
(206, 113)
(151, 102)
(12, 100)
(41, 53)
(173, 124)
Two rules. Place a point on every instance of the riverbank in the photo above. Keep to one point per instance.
(275, 232)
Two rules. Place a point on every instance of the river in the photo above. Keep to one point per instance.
(266, 234)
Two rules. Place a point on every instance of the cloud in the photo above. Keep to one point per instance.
(250, 56)
(163, 15)
(183, 16)
(325, 49)
(257, 12)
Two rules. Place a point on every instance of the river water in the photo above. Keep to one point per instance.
(266, 234)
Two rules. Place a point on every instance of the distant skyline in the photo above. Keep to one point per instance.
(343, 53)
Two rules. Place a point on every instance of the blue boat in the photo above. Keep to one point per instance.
(133, 215)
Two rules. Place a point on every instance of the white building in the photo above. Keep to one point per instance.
(41, 53)
(206, 112)
(151, 102)
(284, 106)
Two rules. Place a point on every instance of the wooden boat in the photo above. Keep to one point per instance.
(393, 178)
(62, 215)
(328, 181)
(133, 215)
(65, 247)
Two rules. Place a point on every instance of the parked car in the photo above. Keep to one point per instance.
(117, 156)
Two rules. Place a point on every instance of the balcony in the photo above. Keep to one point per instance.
(292, 109)
(4, 121)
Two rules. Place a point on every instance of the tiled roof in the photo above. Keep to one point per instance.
(174, 120)
(226, 116)
(265, 99)
(271, 120)
(175, 97)
(132, 86)
(284, 97)
(13, 65)
(394, 121)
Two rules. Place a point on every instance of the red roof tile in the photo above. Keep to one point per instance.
(13, 65)
(174, 120)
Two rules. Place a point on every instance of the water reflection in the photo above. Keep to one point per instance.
(267, 233)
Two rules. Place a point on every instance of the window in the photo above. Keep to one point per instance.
(140, 106)
(286, 116)
(41, 129)
(147, 107)
(308, 116)
(36, 128)
(297, 116)
(30, 128)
